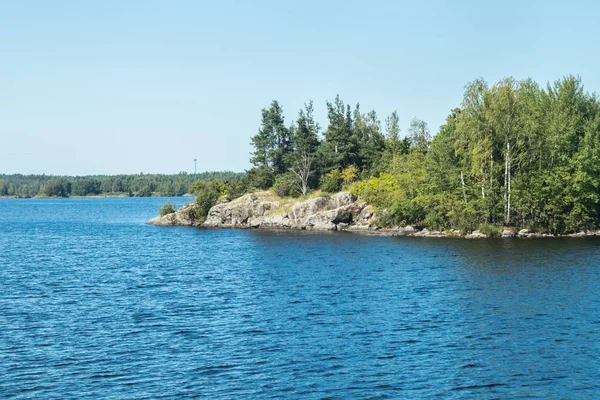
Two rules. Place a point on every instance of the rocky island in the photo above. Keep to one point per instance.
(524, 162)
(342, 211)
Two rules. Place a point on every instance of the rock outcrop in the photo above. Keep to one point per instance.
(508, 234)
(339, 212)
(182, 217)
(325, 213)
(476, 235)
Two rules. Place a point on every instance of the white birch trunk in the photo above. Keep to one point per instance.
(462, 180)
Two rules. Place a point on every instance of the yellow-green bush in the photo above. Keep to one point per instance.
(379, 191)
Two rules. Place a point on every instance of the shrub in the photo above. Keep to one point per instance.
(489, 229)
(332, 182)
(166, 209)
(235, 189)
(350, 174)
(434, 220)
(207, 195)
(379, 192)
(405, 212)
(286, 185)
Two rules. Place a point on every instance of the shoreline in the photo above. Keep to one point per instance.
(111, 196)
(340, 212)
(393, 232)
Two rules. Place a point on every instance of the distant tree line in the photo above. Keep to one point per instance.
(514, 153)
(133, 185)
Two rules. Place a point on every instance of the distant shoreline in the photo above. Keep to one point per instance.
(99, 196)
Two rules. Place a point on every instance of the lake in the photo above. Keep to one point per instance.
(96, 304)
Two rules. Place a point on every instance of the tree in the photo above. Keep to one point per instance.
(371, 141)
(272, 144)
(393, 143)
(306, 143)
(419, 136)
(340, 147)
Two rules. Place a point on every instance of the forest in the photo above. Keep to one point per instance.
(513, 153)
(142, 185)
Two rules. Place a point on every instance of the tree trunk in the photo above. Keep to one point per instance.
(303, 170)
(462, 179)
(509, 187)
(507, 183)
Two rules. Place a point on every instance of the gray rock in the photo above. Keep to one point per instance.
(366, 214)
(578, 234)
(427, 233)
(508, 234)
(342, 199)
(406, 231)
(306, 208)
(436, 234)
(342, 226)
(523, 233)
(359, 227)
(476, 235)
(255, 210)
(184, 216)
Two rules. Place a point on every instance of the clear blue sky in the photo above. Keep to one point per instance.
(106, 87)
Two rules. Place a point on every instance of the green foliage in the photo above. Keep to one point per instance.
(272, 144)
(261, 177)
(167, 208)
(340, 145)
(164, 185)
(59, 187)
(350, 174)
(84, 187)
(332, 182)
(380, 192)
(512, 154)
(286, 185)
(207, 195)
(236, 188)
(490, 230)
(146, 191)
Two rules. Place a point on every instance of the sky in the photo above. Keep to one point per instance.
(112, 86)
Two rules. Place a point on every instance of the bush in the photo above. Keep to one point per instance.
(405, 212)
(434, 220)
(235, 189)
(166, 209)
(286, 185)
(207, 195)
(380, 192)
(490, 230)
(350, 174)
(332, 182)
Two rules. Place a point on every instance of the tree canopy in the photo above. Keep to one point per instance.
(513, 153)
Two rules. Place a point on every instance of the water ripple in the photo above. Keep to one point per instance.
(95, 304)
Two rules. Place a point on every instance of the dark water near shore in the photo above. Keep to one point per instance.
(95, 304)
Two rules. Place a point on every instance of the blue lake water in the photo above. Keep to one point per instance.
(95, 304)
